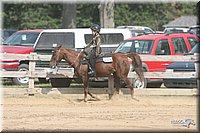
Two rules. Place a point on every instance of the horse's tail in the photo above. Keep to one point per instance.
(137, 64)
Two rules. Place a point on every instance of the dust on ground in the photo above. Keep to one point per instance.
(69, 113)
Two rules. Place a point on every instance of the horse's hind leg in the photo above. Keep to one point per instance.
(117, 84)
(130, 85)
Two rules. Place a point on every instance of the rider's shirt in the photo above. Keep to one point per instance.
(95, 42)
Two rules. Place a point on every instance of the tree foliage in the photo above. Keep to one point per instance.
(48, 15)
(30, 16)
(153, 15)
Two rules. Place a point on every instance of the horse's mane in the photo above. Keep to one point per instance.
(73, 52)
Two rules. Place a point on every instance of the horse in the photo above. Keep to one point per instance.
(119, 68)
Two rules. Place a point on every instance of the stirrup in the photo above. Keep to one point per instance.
(91, 73)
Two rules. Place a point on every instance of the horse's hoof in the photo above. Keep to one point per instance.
(85, 100)
(97, 99)
(135, 99)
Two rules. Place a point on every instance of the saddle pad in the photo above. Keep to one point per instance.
(107, 59)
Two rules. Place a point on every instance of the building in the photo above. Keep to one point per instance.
(183, 21)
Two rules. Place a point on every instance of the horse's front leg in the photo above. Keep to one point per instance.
(130, 85)
(85, 92)
(85, 84)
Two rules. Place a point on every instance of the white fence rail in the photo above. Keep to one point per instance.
(33, 73)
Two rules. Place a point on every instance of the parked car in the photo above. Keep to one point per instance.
(195, 30)
(182, 67)
(138, 30)
(158, 44)
(41, 41)
(169, 30)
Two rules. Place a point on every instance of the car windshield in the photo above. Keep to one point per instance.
(138, 46)
(195, 49)
(22, 39)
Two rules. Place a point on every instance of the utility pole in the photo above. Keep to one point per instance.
(106, 10)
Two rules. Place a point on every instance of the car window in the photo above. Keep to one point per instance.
(163, 48)
(66, 39)
(148, 31)
(179, 45)
(195, 49)
(192, 41)
(138, 46)
(107, 38)
(137, 32)
(22, 39)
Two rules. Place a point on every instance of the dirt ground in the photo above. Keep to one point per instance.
(54, 112)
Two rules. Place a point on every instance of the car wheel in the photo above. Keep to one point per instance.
(60, 82)
(138, 84)
(21, 80)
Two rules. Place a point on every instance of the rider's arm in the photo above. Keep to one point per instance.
(98, 41)
(88, 44)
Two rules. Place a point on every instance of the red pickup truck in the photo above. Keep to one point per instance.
(23, 42)
(158, 44)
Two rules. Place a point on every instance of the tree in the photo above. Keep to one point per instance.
(69, 15)
(30, 16)
(106, 9)
(48, 15)
(87, 14)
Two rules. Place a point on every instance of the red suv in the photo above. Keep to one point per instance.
(158, 44)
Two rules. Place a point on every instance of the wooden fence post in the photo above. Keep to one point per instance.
(32, 63)
(196, 64)
(110, 86)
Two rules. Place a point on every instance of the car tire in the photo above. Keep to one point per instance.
(21, 80)
(60, 82)
(138, 84)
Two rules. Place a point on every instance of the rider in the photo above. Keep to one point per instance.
(96, 49)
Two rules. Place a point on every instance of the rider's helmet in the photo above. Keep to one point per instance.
(95, 27)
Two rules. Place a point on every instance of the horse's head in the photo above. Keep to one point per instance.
(57, 56)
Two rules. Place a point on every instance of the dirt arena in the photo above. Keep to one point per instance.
(55, 112)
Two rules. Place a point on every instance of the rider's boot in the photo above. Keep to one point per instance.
(92, 72)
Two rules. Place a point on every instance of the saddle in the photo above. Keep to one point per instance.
(106, 58)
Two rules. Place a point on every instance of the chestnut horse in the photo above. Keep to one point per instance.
(119, 67)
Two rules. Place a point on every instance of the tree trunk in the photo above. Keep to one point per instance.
(69, 15)
(106, 9)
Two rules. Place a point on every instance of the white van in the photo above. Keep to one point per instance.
(77, 38)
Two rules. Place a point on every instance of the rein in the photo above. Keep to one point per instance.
(75, 60)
